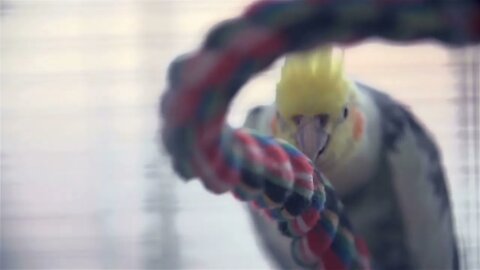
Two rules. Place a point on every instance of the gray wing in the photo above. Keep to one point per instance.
(259, 118)
(404, 212)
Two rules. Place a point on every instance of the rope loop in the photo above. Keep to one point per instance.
(270, 174)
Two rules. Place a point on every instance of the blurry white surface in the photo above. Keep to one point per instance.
(83, 185)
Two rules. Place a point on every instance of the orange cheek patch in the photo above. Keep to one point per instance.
(358, 124)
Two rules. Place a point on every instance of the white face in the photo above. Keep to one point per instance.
(320, 137)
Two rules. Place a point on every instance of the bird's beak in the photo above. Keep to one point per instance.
(312, 137)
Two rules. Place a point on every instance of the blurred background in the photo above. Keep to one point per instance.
(83, 182)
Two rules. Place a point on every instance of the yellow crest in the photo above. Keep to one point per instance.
(312, 83)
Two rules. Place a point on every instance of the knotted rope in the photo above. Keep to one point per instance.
(271, 174)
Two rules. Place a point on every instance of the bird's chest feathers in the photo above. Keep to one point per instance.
(353, 173)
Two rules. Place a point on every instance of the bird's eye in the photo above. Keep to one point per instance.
(345, 112)
(296, 119)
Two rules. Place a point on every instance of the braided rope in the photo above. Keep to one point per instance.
(271, 174)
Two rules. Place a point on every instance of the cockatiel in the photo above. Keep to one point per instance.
(383, 164)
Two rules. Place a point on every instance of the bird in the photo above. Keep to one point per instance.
(382, 161)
